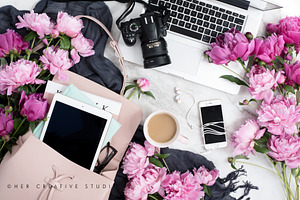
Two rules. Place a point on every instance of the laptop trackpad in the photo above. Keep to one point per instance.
(184, 58)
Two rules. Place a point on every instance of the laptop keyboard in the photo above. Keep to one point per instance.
(200, 20)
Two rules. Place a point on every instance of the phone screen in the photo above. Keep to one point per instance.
(74, 133)
(213, 124)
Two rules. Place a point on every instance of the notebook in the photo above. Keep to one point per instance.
(193, 25)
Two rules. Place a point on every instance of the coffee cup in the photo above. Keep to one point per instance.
(162, 128)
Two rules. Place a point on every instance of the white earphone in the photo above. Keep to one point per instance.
(177, 99)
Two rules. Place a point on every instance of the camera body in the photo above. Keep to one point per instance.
(151, 27)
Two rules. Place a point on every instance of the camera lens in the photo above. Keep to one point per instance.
(155, 53)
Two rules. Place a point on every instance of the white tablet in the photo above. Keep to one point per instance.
(76, 130)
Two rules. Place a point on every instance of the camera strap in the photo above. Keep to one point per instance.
(149, 8)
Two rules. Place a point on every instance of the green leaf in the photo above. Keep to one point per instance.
(206, 190)
(32, 126)
(65, 42)
(233, 166)
(234, 80)
(25, 88)
(8, 148)
(148, 93)
(3, 61)
(260, 149)
(250, 61)
(298, 175)
(30, 36)
(162, 156)
(280, 59)
(32, 88)
(17, 122)
(129, 87)
(155, 196)
(139, 93)
(155, 162)
(241, 157)
(289, 88)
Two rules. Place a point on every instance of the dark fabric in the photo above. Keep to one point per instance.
(182, 161)
(96, 67)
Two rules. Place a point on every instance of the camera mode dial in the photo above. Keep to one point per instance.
(134, 27)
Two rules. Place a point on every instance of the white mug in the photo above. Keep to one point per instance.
(162, 128)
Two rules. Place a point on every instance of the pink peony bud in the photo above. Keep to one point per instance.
(6, 123)
(293, 72)
(143, 84)
(6, 138)
(33, 106)
(246, 102)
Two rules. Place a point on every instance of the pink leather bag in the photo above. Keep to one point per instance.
(35, 171)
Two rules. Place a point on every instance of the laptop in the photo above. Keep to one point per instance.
(190, 34)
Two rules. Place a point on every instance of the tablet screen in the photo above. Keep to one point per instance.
(74, 133)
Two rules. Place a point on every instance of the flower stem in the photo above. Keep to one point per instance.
(22, 122)
(4, 142)
(240, 61)
(258, 166)
(297, 188)
(149, 195)
(163, 161)
(289, 192)
(236, 74)
(134, 91)
(11, 57)
(28, 56)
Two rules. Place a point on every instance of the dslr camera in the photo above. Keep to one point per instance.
(151, 27)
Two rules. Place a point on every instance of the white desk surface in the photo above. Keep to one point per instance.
(162, 86)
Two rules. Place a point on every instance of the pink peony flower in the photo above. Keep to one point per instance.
(230, 46)
(280, 116)
(143, 84)
(269, 48)
(56, 61)
(40, 23)
(289, 27)
(69, 25)
(6, 123)
(150, 148)
(135, 160)
(181, 187)
(136, 189)
(153, 177)
(243, 139)
(285, 148)
(292, 71)
(22, 72)
(82, 46)
(272, 28)
(261, 82)
(11, 41)
(205, 177)
(33, 106)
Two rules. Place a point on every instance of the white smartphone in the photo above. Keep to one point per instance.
(212, 124)
(76, 130)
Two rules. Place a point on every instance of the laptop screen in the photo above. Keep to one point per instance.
(258, 4)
